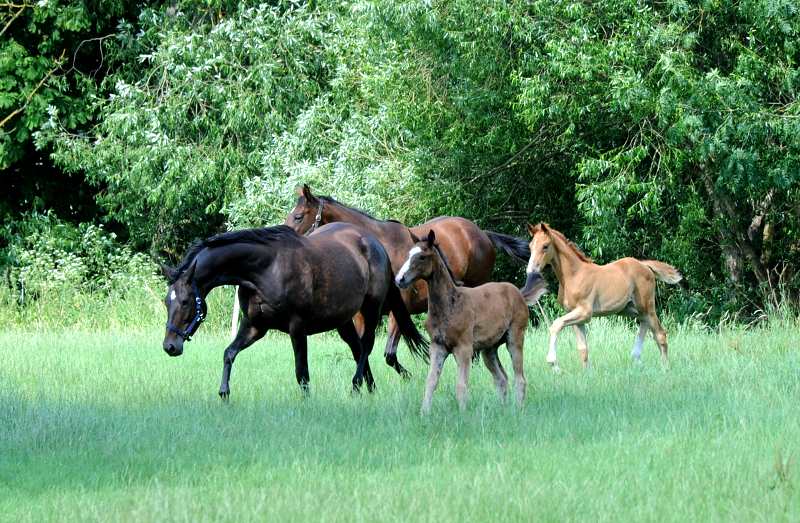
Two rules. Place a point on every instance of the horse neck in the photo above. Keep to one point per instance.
(440, 287)
(224, 265)
(565, 261)
(342, 213)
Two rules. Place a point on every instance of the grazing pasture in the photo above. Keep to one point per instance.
(104, 426)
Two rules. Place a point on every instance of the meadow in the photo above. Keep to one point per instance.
(104, 426)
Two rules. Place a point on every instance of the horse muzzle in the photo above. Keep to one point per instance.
(172, 349)
(401, 282)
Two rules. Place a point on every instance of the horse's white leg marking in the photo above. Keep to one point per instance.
(530, 262)
(636, 353)
(407, 264)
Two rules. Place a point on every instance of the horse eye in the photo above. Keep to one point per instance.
(423, 256)
(545, 247)
(298, 217)
(185, 303)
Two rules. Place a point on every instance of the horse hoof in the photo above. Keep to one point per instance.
(405, 374)
(557, 369)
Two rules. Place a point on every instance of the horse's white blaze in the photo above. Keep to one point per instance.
(407, 264)
(533, 253)
(172, 296)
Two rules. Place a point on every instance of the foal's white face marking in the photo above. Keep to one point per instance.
(172, 296)
(533, 255)
(407, 264)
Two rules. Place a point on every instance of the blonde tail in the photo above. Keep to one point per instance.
(664, 272)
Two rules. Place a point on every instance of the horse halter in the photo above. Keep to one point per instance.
(200, 318)
(318, 218)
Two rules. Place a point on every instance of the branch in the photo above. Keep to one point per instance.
(56, 67)
(16, 15)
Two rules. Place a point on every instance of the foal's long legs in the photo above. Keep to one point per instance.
(636, 353)
(463, 355)
(246, 336)
(371, 320)
(583, 348)
(437, 355)
(514, 344)
(578, 315)
(499, 375)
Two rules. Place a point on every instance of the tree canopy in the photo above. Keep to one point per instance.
(656, 130)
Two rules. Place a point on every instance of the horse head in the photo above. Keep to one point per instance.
(304, 215)
(185, 308)
(541, 251)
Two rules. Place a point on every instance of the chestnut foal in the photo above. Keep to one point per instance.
(626, 287)
(464, 320)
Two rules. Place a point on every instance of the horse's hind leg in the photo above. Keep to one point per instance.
(246, 336)
(499, 375)
(636, 353)
(371, 320)
(393, 340)
(583, 348)
(658, 333)
(438, 355)
(349, 334)
(514, 343)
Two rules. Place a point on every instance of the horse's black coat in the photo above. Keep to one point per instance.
(295, 284)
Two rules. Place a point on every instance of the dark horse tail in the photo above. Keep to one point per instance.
(535, 287)
(517, 248)
(415, 341)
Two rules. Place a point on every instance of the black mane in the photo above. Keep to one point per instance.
(260, 236)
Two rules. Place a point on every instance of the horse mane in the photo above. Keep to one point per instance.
(572, 246)
(259, 236)
(329, 199)
(446, 263)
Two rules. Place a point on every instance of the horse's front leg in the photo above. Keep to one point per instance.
(438, 355)
(297, 332)
(463, 355)
(349, 334)
(578, 315)
(246, 336)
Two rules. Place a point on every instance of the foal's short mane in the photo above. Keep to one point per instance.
(572, 246)
(259, 236)
(446, 263)
(328, 199)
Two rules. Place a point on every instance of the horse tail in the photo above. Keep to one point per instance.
(664, 272)
(415, 341)
(535, 287)
(517, 248)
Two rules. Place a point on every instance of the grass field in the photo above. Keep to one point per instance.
(107, 427)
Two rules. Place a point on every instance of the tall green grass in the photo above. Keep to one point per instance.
(104, 426)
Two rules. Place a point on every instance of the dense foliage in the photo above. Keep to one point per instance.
(656, 130)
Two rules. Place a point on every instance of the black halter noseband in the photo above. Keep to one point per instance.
(200, 318)
(318, 217)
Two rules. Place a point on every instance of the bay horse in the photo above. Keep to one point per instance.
(625, 287)
(295, 284)
(462, 321)
(468, 249)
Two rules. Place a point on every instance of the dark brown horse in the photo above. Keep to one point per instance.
(295, 284)
(468, 249)
(463, 321)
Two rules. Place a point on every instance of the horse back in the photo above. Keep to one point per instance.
(497, 307)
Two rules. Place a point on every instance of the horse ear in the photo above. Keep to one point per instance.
(166, 271)
(189, 274)
(413, 236)
(544, 228)
(310, 199)
(531, 229)
(299, 190)
(431, 239)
